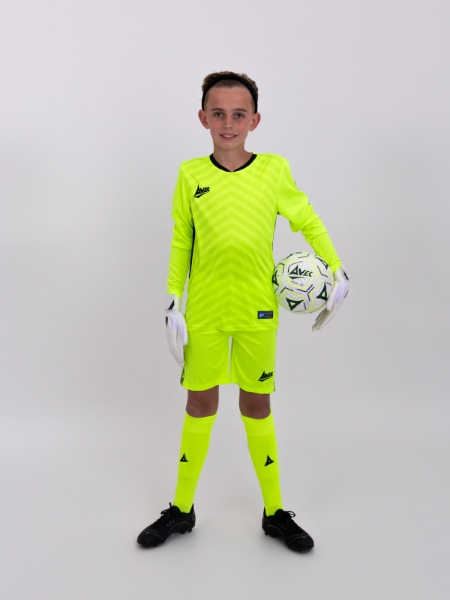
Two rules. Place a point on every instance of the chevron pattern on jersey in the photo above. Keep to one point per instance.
(232, 259)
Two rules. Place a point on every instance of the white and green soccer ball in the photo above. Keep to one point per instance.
(302, 282)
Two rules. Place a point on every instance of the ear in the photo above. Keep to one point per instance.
(203, 119)
(255, 121)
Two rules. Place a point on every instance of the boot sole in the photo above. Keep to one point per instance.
(159, 543)
(275, 535)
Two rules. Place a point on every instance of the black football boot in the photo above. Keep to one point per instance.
(282, 524)
(171, 521)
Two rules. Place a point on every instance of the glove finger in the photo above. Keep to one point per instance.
(335, 296)
(173, 346)
(330, 315)
(331, 297)
(321, 323)
(177, 322)
(319, 320)
(182, 331)
(320, 315)
(184, 337)
(176, 353)
(326, 317)
(339, 294)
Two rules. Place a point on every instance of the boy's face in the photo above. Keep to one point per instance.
(229, 116)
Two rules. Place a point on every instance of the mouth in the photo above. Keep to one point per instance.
(227, 136)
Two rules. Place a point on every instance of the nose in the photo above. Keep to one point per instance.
(228, 122)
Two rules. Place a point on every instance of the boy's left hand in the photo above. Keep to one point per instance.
(176, 329)
(338, 293)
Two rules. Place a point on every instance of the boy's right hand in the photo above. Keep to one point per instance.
(176, 328)
(337, 296)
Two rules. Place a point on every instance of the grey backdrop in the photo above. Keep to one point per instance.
(99, 103)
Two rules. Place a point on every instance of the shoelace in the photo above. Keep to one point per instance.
(166, 514)
(287, 519)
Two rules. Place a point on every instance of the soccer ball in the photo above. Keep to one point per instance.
(302, 282)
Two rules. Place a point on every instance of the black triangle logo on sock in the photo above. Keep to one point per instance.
(269, 461)
(183, 458)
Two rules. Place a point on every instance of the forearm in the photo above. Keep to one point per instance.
(323, 247)
(179, 262)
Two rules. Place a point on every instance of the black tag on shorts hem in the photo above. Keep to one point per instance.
(265, 314)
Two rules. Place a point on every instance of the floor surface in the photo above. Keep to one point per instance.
(76, 493)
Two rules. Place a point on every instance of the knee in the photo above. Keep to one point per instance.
(255, 406)
(202, 404)
(256, 412)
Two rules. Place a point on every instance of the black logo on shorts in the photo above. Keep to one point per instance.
(265, 376)
(183, 458)
(200, 191)
(269, 461)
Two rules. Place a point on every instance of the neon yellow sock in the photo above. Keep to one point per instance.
(262, 444)
(194, 448)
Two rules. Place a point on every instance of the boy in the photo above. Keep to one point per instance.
(224, 209)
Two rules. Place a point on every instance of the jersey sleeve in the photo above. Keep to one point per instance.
(182, 238)
(294, 206)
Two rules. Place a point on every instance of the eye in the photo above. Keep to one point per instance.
(239, 116)
(217, 114)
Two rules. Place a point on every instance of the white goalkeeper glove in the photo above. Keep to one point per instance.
(176, 328)
(338, 293)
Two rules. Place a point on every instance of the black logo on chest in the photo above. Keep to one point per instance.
(200, 191)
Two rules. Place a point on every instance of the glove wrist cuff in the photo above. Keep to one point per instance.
(340, 275)
(173, 302)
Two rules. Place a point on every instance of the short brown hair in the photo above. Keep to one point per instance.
(228, 83)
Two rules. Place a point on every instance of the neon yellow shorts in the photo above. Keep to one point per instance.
(217, 357)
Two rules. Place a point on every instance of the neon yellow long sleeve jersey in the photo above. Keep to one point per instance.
(224, 225)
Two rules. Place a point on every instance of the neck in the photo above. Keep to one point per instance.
(231, 159)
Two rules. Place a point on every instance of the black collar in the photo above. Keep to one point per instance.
(219, 166)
